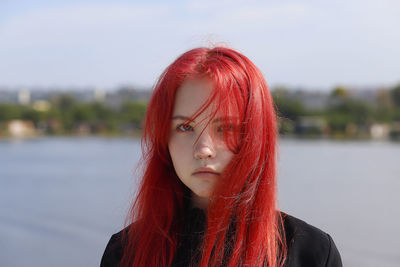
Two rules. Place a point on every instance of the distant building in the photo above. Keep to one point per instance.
(395, 131)
(311, 125)
(379, 131)
(8, 96)
(24, 97)
(367, 95)
(20, 128)
(311, 100)
(99, 95)
(41, 105)
(117, 99)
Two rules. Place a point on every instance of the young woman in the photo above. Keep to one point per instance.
(208, 192)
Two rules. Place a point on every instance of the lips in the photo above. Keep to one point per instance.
(205, 171)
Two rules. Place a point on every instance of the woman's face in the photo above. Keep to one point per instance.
(198, 151)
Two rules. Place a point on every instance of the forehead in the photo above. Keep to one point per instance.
(192, 95)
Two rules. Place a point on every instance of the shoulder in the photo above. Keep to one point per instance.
(308, 245)
(114, 251)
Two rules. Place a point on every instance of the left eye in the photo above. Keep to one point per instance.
(225, 127)
(184, 128)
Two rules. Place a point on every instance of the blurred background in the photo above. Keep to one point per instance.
(76, 76)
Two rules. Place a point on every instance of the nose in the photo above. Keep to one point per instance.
(204, 146)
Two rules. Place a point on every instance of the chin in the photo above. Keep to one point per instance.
(202, 193)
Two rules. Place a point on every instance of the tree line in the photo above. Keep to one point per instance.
(343, 116)
(66, 115)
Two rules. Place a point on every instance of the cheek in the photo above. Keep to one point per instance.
(177, 146)
(225, 156)
(179, 150)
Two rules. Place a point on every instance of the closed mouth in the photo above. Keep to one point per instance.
(205, 171)
(215, 173)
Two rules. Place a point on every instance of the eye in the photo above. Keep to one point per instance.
(184, 128)
(226, 127)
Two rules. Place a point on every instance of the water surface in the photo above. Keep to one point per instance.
(62, 198)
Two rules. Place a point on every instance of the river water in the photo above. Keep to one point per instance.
(62, 198)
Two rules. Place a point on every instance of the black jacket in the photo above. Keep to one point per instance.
(307, 245)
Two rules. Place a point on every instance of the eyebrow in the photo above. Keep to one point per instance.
(180, 117)
(184, 118)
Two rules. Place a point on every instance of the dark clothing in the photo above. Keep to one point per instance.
(307, 245)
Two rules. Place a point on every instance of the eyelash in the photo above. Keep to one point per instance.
(181, 128)
(226, 127)
(221, 128)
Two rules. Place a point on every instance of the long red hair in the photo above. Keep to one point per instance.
(243, 225)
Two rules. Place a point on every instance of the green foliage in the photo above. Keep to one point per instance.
(133, 113)
(354, 111)
(9, 112)
(286, 126)
(29, 113)
(83, 113)
(66, 115)
(287, 108)
(395, 92)
(338, 122)
(340, 92)
(384, 111)
(64, 102)
(384, 114)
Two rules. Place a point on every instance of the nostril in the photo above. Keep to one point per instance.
(204, 152)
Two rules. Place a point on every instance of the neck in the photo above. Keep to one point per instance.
(199, 202)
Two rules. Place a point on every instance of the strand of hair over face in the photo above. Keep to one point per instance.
(247, 196)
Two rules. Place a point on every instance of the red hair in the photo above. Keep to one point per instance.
(243, 225)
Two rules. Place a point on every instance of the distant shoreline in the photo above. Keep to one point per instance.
(138, 135)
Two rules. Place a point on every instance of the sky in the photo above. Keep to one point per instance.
(106, 44)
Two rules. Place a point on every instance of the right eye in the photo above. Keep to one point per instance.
(184, 128)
